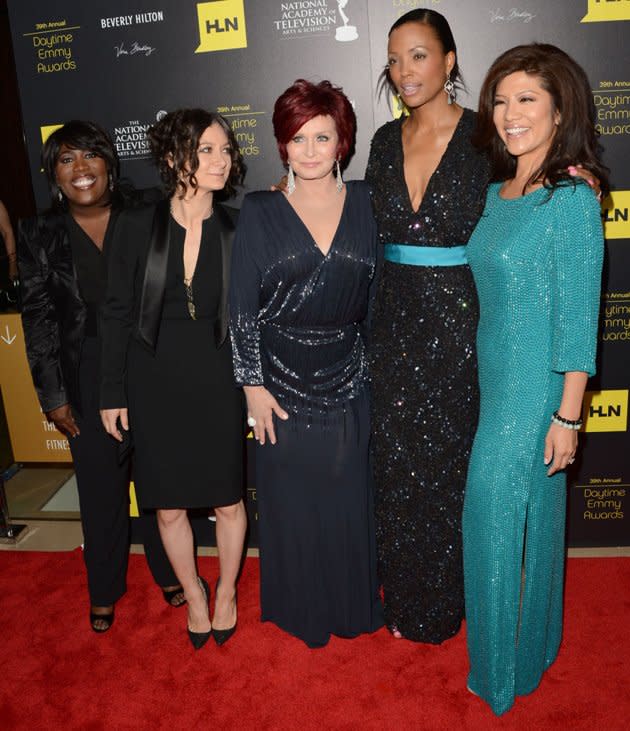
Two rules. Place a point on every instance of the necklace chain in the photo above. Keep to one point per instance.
(190, 301)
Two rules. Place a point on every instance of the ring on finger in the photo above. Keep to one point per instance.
(251, 421)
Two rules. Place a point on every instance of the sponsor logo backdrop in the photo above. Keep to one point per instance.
(124, 64)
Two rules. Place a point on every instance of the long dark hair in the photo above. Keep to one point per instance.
(80, 134)
(444, 34)
(575, 141)
(175, 139)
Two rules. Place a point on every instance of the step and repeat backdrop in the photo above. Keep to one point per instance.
(125, 63)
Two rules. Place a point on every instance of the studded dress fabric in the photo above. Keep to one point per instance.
(424, 384)
(537, 266)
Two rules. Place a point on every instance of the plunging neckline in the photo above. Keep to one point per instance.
(188, 282)
(437, 167)
(307, 230)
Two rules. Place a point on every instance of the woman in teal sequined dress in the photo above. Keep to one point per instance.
(536, 257)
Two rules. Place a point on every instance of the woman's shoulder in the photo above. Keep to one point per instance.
(41, 227)
(260, 202)
(227, 214)
(137, 215)
(574, 194)
(386, 131)
(358, 188)
(262, 197)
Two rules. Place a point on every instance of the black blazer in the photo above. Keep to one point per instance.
(137, 265)
(53, 312)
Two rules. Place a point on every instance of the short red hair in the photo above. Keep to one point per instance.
(303, 101)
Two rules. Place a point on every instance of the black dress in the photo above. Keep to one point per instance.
(296, 324)
(185, 412)
(424, 376)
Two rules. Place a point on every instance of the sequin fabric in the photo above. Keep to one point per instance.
(297, 316)
(537, 266)
(424, 384)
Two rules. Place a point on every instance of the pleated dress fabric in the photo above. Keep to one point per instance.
(537, 266)
(297, 325)
(424, 383)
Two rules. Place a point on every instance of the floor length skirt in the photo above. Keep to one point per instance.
(316, 528)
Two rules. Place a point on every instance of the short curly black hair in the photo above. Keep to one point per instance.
(79, 134)
(175, 138)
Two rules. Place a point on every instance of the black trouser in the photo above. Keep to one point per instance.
(103, 485)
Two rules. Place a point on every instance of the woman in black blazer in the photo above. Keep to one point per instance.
(63, 277)
(167, 373)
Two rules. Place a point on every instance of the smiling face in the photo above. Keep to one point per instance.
(312, 150)
(417, 64)
(525, 117)
(82, 177)
(215, 159)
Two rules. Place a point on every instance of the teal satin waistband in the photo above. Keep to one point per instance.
(426, 256)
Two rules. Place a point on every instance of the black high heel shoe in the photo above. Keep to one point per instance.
(199, 639)
(221, 636)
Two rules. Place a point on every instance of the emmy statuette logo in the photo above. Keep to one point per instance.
(345, 32)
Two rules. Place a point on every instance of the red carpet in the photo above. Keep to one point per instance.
(55, 673)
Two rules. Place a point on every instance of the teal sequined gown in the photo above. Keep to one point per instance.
(537, 267)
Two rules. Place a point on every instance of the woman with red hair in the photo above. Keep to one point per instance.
(302, 267)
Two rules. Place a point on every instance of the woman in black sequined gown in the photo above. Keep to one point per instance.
(423, 365)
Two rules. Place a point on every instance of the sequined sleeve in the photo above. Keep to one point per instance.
(578, 249)
(245, 285)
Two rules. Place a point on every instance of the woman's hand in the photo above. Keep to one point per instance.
(261, 406)
(63, 420)
(110, 417)
(560, 446)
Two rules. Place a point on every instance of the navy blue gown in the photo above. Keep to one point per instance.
(297, 326)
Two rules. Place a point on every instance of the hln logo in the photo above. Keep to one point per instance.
(221, 25)
(605, 410)
(602, 10)
(615, 210)
(48, 129)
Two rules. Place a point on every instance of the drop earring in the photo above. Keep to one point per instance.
(60, 196)
(338, 176)
(111, 183)
(449, 88)
(290, 180)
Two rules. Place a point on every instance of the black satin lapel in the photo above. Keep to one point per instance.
(155, 276)
(227, 239)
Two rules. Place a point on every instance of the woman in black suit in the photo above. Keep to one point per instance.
(167, 361)
(63, 277)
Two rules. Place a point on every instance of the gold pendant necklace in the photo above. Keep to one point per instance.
(190, 302)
